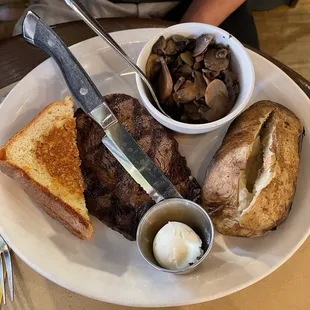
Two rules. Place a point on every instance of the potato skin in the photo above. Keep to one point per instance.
(221, 186)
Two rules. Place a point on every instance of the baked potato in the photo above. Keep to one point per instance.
(250, 183)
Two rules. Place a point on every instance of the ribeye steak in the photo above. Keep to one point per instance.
(111, 194)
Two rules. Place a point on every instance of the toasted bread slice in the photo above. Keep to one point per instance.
(44, 159)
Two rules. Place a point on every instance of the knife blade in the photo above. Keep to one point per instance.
(119, 142)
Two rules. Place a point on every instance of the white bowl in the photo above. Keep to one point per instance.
(241, 64)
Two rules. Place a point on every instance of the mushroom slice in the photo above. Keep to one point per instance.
(192, 112)
(159, 46)
(175, 64)
(216, 97)
(185, 70)
(228, 77)
(206, 78)
(199, 58)
(179, 83)
(232, 84)
(170, 101)
(197, 65)
(222, 53)
(180, 39)
(169, 59)
(200, 84)
(152, 67)
(171, 48)
(215, 91)
(191, 44)
(175, 45)
(190, 108)
(202, 44)
(233, 92)
(201, 103)
(186, 93)
(187, 58)
(165, 83)
(211, 75)
(173, 109)
(215, 64)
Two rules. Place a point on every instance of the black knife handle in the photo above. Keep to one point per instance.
(81, 86)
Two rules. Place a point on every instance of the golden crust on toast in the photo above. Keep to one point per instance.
(43, 158)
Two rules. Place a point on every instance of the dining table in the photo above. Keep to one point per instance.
(285, 288)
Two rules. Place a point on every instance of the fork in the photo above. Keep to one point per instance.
(82, 12)
(5, 252)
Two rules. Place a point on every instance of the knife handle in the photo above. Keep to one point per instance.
(81, 86)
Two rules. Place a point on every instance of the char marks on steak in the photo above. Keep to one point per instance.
(111, 194)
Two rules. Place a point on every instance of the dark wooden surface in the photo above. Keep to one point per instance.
(17, 58)
(10, 12)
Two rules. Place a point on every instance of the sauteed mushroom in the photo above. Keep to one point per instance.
(165, 83)
(200, 84)
(159, 46)
(215, 64)
(222, 53)
(175, 63)
(171, 48)
(228, 77)
(193, 77)
(197, 65)
(211, 75)
(187, 58)
(152, 67)
(233, 92)
(185, 69)
(186, 93)
(216, 98)
(202, 44)
(191, 44)
(199, 58)
(192, 113)
(176, 45)
(230, 80)
(206, 78)
(180, 40)
(179, 83)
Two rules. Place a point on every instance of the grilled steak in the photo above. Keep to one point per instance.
(111, 194)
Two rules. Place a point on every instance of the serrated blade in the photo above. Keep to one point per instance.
(140, 167)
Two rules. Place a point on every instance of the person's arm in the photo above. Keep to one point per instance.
(212, 12)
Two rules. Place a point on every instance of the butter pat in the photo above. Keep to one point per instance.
(176, 246)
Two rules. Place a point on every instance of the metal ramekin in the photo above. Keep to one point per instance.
(179, 210)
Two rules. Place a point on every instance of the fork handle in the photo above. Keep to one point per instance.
(9, 271)
(2, 275)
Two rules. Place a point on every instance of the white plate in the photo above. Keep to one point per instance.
(109, 267)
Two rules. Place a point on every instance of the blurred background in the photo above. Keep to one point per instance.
(283, 28)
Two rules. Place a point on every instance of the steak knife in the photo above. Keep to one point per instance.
(119, 142)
